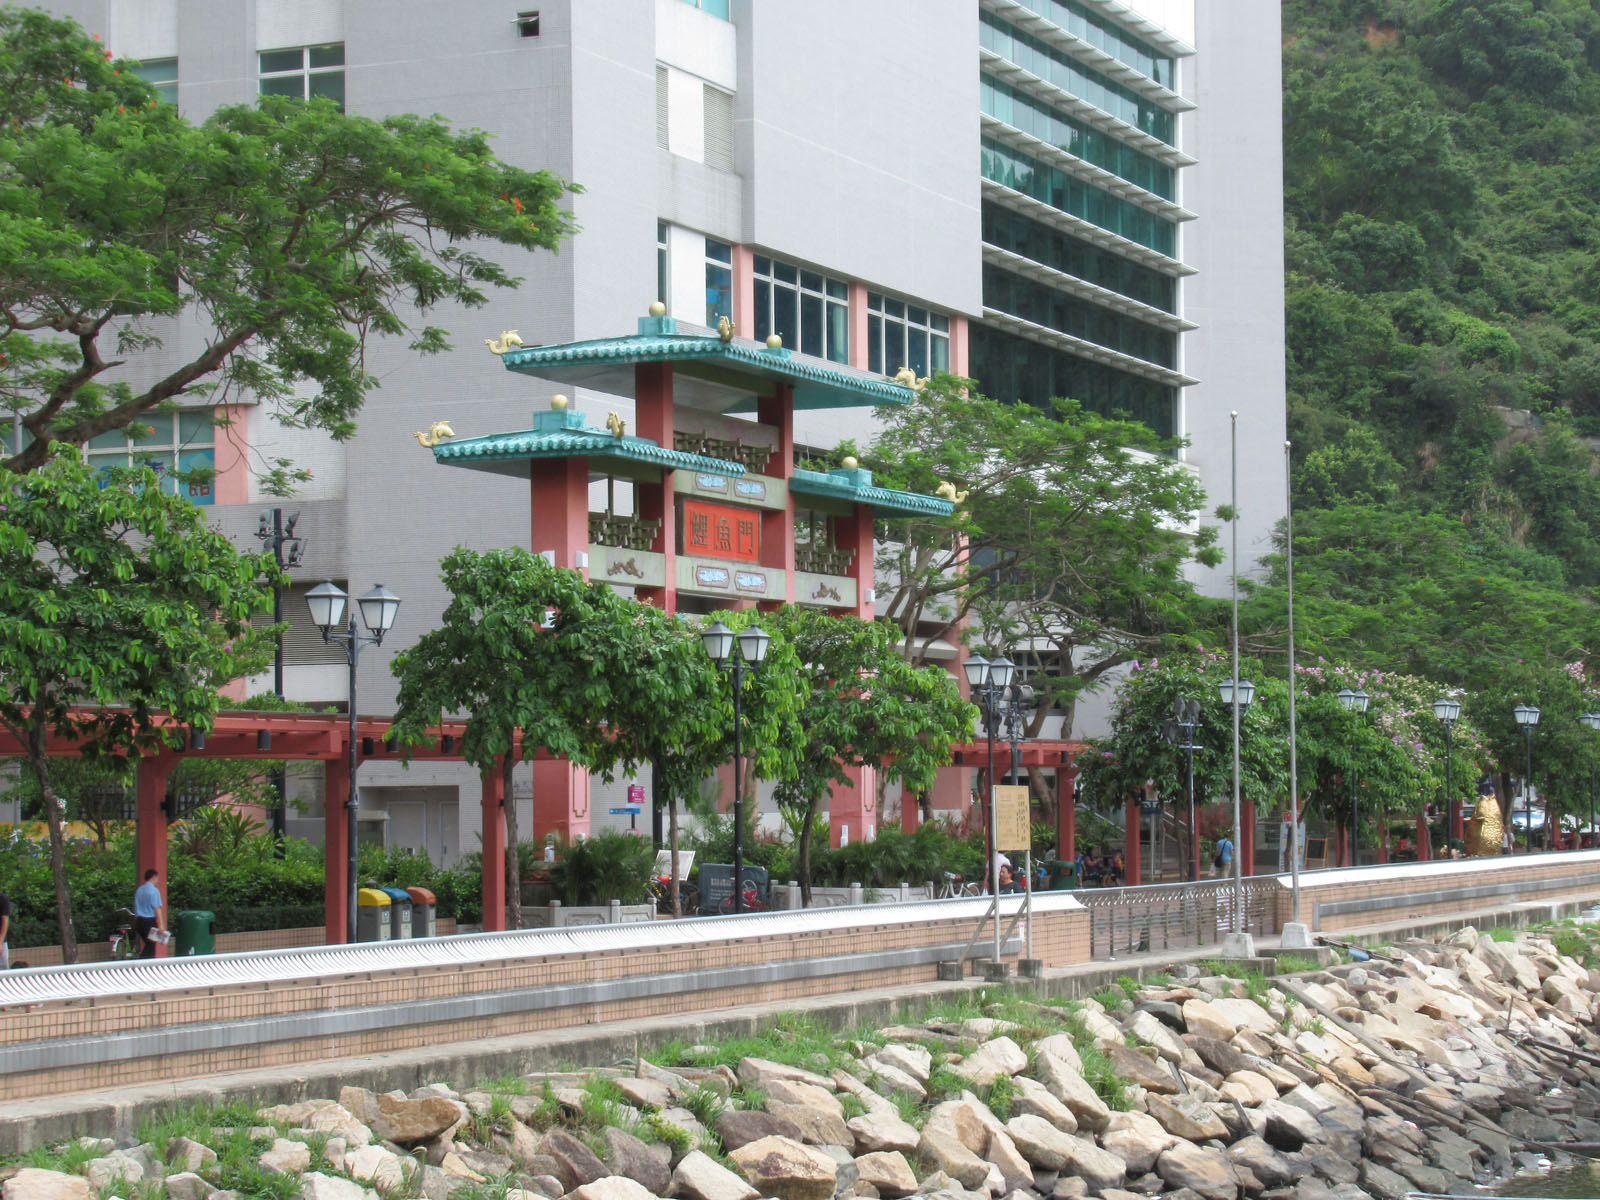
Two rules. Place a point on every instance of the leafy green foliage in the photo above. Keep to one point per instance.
(609, 865)
(292, 230)
(1069, 534)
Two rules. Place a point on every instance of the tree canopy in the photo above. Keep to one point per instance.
(290, 232)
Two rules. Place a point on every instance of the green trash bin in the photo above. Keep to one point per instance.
(1063, 876)
(194, 932)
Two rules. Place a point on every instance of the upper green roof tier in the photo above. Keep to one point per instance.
(562, 433)
(725, 376)
(855, 485)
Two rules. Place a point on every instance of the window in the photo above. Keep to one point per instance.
(662, 139)
(717, 8)
(528, 24)
(180, 441)
(904, 335)
(663, 259)
(1067, 314)
(1016, 233)
(719, 281)
(306, 73)
(718, 128)
(809, 311)
(161, 74)
(1014, 368)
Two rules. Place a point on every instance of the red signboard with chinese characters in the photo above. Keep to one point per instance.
(721, 531)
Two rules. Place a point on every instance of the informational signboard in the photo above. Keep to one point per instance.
(721, 531)
(1011, 817)
(636, 794)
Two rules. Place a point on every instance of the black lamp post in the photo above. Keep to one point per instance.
(1448, 711)
(277, 538)
(1591, 721)
(987, 681)
(1527, 716)
(752, 642)
(1355, 701)
(1180, 731)
(328, 604)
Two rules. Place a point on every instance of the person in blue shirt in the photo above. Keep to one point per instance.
(147, 910)
(1223, 863)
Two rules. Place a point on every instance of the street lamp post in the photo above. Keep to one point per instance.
(987, 680)
(1527, 716)
(1180, 731)
(328, 604)
(1448, 711)
(752, 650)
(1355, 701)
(1591, 721)
(277, 539)
(1237, 694)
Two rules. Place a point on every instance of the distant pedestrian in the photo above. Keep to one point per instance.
(1223, 863)
(147, 909)
(5, 931)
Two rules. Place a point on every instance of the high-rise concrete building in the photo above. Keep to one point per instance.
(1058, 197)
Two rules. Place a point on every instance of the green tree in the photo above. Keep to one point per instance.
(115, 596)
(860, 703)
(494, 658)
(292, 231)
(1074, 531)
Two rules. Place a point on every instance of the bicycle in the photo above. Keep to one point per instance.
(688, 896)
(125, 943)
(953, 889)
(752, 901)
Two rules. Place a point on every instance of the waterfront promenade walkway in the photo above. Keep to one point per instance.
(283, 1025)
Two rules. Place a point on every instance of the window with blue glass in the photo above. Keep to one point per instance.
(717, 8)
(1034, 117)
(807, 309)
(901, 334)
(161, 74)
(1015, 369)
(1073, 256)
(663, 258)
(1064, 313)
(170, 444)
(305, 72)
(1070, 195)
(1089, 26)
(719, 281)
(1067, 73)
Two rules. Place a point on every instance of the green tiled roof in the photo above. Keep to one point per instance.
(856, 486)
(564, 435)
(816, 384)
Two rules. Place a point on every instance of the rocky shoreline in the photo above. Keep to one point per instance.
(1431, 1067)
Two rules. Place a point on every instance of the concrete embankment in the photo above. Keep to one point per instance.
(1431, 1067)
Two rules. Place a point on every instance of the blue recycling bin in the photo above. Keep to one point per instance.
(399, 912)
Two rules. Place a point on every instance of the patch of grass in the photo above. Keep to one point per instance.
(548, 1113)
(508, 1085)
(794, 1039)
(1294, 964)
(195, 1121)
(1502, 933)
(952, 1010)
(944, 1083)
(250, 1178)
(1000, 1097)
(705, 1104)
(1317, 1026)
(754, 1099)
(1099, 1074)
(1159, 979)
(911, 1110)
(1110, 998)
(603, 1105)
(654, 1129)
(1130, 987)
(852, 1105)
(67, 1157)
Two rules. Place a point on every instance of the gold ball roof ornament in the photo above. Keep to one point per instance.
(849, 462)
(774, 341)
(559, 402)
(657, 309)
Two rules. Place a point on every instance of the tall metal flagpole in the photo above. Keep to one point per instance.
(1238, 851)
(1294, 780)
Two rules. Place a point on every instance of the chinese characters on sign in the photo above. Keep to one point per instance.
(721, 531)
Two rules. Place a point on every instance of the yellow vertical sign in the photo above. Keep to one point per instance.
(1011, 817)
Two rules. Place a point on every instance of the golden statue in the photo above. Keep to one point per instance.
(1486, 829)
(616, 425)
(725, 328)
(504, 342)
(437, 432)
(948, 491)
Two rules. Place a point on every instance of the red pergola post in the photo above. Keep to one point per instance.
(151, 839)
(1133, 817)
(336, 847)
(1067, 813)
(1247, 838)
